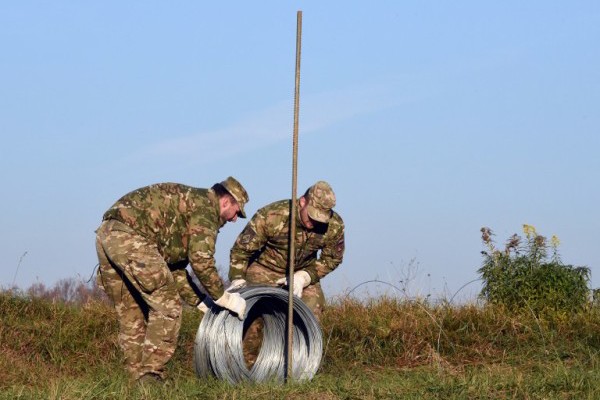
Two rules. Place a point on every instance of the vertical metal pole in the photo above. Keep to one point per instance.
(292, 244)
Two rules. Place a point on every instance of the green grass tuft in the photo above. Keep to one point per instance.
(378, 348)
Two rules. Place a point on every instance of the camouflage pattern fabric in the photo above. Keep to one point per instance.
(265, 238)
(136, 278)
(181, 221)
(260, 255)
(237, 191)
(321, 200)
(144, 244)
(186, 287)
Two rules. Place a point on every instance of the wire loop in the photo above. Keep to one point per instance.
(218, 349)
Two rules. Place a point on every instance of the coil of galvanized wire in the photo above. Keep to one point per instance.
(218, 348)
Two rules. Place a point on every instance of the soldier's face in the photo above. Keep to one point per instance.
(229, 210)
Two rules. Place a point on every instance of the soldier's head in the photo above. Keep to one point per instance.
(316, 205)
(232, 198)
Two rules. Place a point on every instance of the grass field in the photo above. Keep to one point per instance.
(382, 348)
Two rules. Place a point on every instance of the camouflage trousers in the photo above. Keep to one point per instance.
(312, 296)
(137, 279)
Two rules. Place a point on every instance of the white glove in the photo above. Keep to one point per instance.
(301, 280)
(204, 305)
(233, 302)
(236, 284)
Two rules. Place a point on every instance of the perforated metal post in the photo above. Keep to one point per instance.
(292, 239)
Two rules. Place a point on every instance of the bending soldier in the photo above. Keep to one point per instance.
(146, 240)
(260, 253)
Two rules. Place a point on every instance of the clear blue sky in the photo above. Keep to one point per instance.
(429, 119)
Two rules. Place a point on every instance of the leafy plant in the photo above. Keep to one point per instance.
(525, 275)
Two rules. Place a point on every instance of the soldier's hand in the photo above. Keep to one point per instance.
(281, 281)
(233, 302)
(237, 284)
(301, 280)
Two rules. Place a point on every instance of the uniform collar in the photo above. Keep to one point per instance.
(298, 220)
(214, 199)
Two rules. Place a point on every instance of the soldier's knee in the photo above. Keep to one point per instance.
(166, 302)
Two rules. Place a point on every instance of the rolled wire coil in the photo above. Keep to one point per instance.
(218, 349)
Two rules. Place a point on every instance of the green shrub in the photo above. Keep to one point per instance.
(524, 275)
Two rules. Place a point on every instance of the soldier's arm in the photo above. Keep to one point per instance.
(250, 240)
(201, 251)
(188, 290)
(332, 253)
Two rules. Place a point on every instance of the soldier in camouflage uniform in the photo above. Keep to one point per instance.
(146, 240)
(260, 253)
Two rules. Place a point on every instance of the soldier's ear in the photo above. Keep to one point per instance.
(302, 201)
(229, 201)
(224, 202)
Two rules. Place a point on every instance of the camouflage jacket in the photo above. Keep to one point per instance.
(265, 238)
(184, 222)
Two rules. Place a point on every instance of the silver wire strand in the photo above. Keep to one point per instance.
(218, 348)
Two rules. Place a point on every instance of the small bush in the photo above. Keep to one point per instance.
(524, 275)
(69, 290)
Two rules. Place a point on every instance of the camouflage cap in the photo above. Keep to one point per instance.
(238, 192)
(321, 200)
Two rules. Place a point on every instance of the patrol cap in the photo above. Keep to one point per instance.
(238, 192)
(321, 200)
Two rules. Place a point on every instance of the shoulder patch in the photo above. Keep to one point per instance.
(247, 236)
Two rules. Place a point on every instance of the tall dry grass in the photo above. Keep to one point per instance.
(396, 333)
(53, 348)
